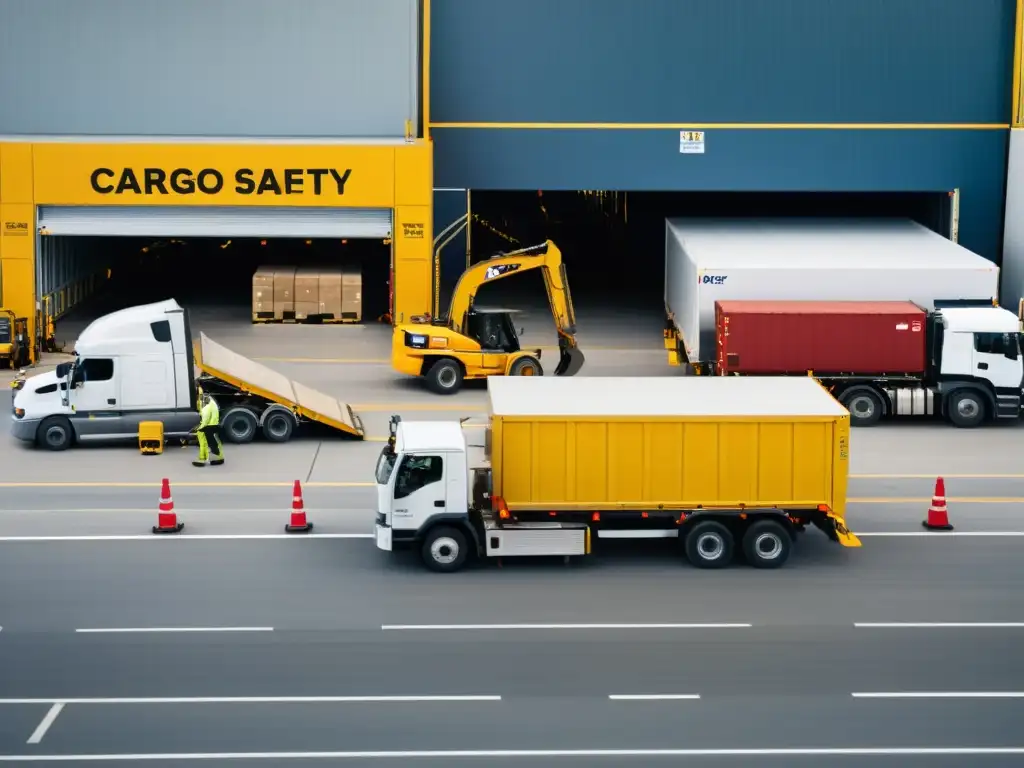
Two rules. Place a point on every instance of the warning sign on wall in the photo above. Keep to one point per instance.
(691, 142)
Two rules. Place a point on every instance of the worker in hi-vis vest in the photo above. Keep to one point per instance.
(207, 433)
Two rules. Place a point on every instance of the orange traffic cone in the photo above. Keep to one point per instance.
(166, 519)
(938, 519)
(298, 523)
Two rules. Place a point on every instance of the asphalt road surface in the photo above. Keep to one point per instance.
(235, 642)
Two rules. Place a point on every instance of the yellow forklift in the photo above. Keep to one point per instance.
(14, 340)
(474, 342)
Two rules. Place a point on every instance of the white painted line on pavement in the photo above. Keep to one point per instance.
(181, 511)
(190, 537)
(45, 723)
(653, 696)
(257, 700)
(405, 627)
(113, 630)
(441, 754)
(940, 695)
(941, 625)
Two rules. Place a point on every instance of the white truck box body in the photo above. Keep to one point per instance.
(708, 260)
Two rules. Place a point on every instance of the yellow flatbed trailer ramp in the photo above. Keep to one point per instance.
(249, 377)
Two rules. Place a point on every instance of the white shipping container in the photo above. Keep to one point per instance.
(709, 260)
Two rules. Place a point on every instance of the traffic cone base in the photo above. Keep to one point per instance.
(298, 522)
(938, 516)
(172, 528)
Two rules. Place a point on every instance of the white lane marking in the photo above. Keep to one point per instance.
(653, 696)
(940, 695)
(45, 723)
(941, 625)
(256, 700)
(524, 753)
(114, 630)
(405, 627)
(189, 537)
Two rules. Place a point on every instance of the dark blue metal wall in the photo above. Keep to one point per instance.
(683, 62)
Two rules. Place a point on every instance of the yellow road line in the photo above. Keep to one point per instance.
(927, 500)
(187, 484)
(726, 126)
(393, 407)
(939, 474)
(330, 360)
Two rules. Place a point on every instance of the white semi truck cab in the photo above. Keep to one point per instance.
(140, 364)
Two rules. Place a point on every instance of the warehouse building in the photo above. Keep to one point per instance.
(894, 107)
(179, 146)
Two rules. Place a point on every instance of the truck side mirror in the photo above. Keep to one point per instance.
(62, 370)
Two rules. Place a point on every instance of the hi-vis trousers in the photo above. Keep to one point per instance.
(208, 436)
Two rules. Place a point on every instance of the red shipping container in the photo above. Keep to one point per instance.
(827, 337)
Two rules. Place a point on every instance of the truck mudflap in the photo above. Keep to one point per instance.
(218, 361)
(835, 528)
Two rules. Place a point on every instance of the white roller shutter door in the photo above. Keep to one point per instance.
(215, 221)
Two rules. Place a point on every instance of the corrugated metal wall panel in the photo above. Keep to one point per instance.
(722, 61)
(273, 68)
(221, 221)
(741, 160)
(1012, 289)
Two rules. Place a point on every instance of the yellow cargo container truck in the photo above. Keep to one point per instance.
(720, 463)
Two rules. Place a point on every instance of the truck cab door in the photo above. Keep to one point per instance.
(420, 491)
(94, 386)
(997, 358)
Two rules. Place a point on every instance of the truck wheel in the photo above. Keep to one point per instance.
(709, 545)
(864, 405)
(444, 549)
(526, 366)
(278, 426)
(767, 544)
(966, 409)
(444, 377)
(239, 427)
(55, 434)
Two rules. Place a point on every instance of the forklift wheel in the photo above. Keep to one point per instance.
(526, 366)
(444, 377)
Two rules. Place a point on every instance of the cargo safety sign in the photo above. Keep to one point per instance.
(210, 181)
(215, 174)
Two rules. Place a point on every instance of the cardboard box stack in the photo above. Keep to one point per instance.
(284, 293)
(351, 292)
(307, 294)
(330, 293)
(263, 294)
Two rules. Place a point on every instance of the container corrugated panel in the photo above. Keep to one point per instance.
(787, 337)
(634, 458)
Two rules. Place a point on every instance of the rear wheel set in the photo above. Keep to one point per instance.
(709, 544)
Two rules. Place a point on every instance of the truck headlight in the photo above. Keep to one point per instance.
(415, 340)
(19, 413)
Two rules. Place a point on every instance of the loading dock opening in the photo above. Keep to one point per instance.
(62, 190)
(613, 243)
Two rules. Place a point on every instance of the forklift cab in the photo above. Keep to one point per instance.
(493, 329)
(14, 341)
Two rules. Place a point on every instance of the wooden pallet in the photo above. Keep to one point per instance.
(290, 319)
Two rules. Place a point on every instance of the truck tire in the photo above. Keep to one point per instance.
(865, 406)
(709, 545)
(444, 377)
(966, 408)
(526, 366)
(55, 434)
(445, 549)
(278, 426)
(767, 544)
(239, 426)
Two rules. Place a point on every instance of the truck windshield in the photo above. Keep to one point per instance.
(385, 465)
